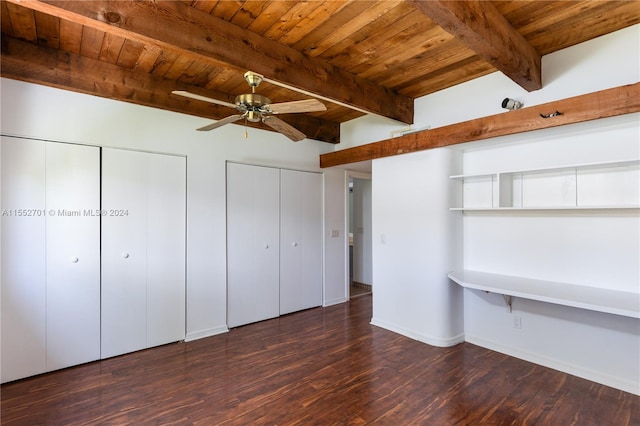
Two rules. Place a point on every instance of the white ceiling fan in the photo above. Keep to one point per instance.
(254, 107)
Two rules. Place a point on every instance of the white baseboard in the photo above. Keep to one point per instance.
(622, 383)
(201, 334)
(430, 340)
(335, 301)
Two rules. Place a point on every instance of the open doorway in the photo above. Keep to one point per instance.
(360, 235)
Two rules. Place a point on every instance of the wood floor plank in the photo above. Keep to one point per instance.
(323, 366)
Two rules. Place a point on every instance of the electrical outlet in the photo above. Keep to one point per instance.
(517, 322)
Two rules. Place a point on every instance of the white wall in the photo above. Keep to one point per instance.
(336, 206)
(595, 248)
(416, 242)
(41, 112)
(592, 248)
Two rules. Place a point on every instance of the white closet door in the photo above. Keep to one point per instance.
(23, 258)
(166, 212)
(300, 240)
(124, 251)
(72, 254)
(252, 243)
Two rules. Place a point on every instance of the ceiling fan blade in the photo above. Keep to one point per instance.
(284, 128)
(307, 105)
(203, 98)
(222, 122)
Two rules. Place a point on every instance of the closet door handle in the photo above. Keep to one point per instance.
(294, 244)
(266, 246)
(125, 255)
(74, 259)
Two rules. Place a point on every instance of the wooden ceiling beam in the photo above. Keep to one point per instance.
(487, 32)
(606, 103)
(176, 27)
(25, 61)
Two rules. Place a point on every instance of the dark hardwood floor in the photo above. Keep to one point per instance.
(324, 366)
(357, 290)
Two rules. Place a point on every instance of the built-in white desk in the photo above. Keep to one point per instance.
(616, 302)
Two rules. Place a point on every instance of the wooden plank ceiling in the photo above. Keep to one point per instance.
(356, 56)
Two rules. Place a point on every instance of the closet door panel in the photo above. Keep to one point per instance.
(300, 241)
(23, 258)
(166, 211)
(124, 251)
(252, 243)
(72, 254)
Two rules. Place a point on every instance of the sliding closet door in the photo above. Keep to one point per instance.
(23, 258)
(166, 249)
(252, 243)
(124, 251)
(72, 254)
(300, 240)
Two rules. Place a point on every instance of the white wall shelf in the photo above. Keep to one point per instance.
(599, 299)
(599, 185)
(512, 209)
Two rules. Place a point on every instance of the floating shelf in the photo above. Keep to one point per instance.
(598, 299)
(587, 186)
(617, 163)
(515, 209)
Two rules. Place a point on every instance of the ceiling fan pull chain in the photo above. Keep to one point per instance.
(246, 133)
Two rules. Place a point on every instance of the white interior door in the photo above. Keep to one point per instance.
(23, 258)
(300, 240)
(72, 254)
(252, 243)
(124, 251)
(166, 251)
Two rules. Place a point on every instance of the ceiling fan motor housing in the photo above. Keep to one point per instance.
(254, 104)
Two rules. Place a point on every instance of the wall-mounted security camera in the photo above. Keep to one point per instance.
(511, 104)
